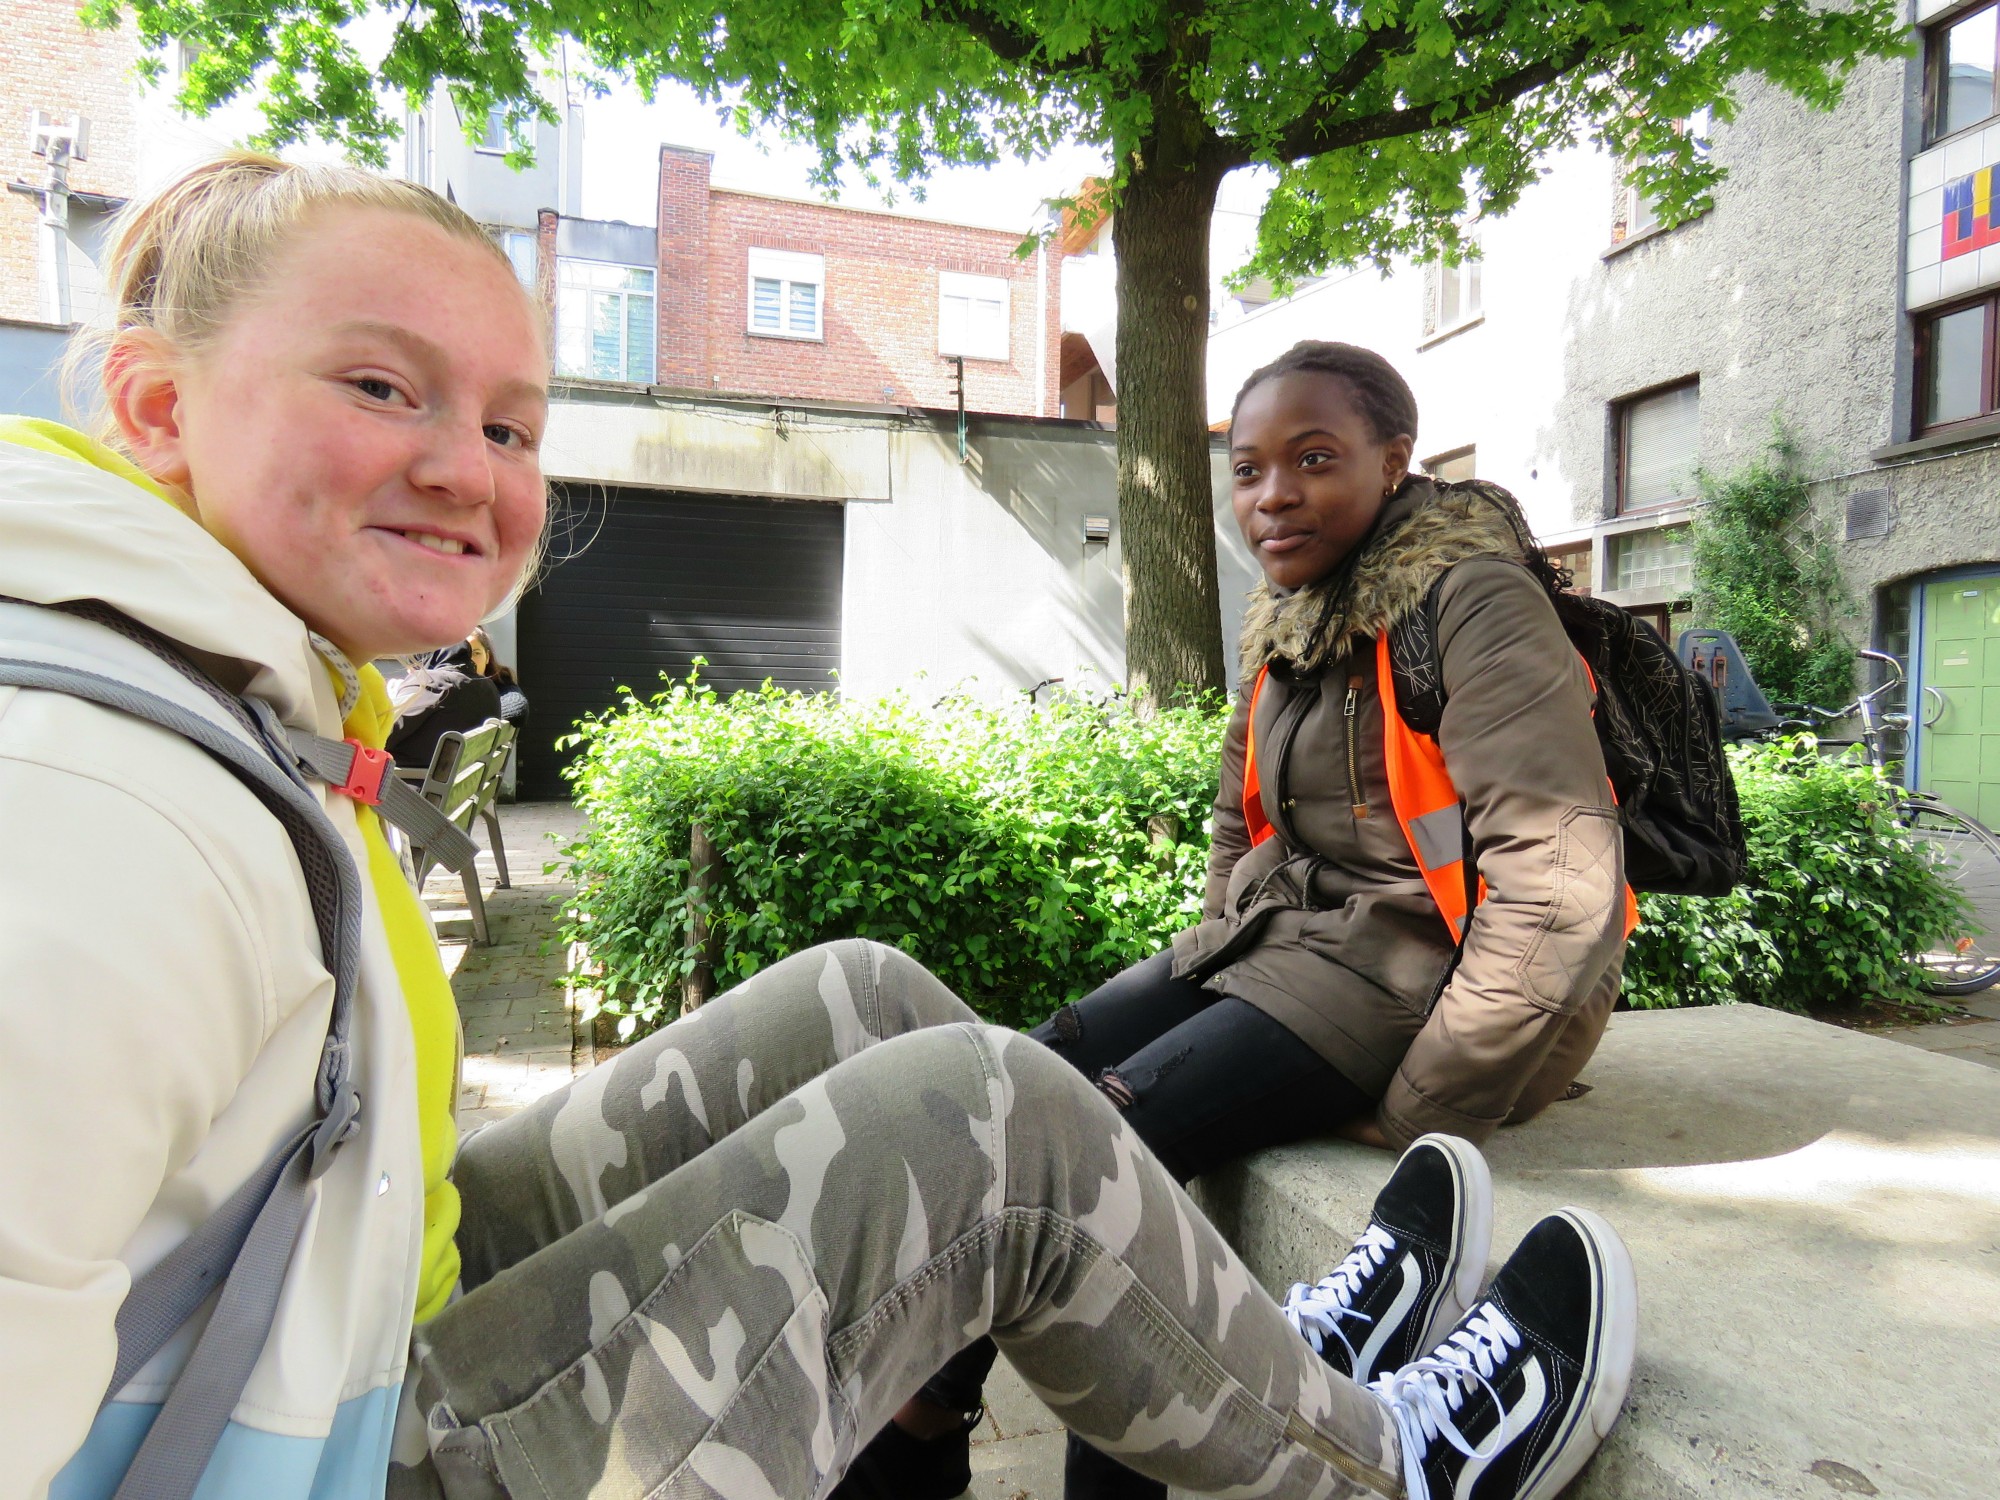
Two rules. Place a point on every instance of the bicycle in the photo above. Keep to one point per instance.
(1963, 847)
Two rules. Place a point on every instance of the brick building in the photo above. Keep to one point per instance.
(757, 295)
(51, 63)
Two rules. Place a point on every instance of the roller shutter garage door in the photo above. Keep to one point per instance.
(751, 585)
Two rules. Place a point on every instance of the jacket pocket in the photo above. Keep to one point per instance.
(1567, 950)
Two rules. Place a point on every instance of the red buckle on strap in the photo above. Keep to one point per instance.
(366, 774)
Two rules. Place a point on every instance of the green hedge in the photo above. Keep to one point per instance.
(1023, 854)
(1027, 854)
(1837, 894)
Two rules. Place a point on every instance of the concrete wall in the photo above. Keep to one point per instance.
(973, 574)
(483, 184)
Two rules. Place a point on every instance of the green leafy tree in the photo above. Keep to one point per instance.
(1765, 571)
(1384, 122)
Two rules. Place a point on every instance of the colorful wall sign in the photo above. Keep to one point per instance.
(1971, 213)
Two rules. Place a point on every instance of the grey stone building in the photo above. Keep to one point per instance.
(1828, 287)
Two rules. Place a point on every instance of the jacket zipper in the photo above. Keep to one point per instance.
(1289, 719)
(1356, 796)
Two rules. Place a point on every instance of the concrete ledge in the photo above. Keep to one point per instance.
(1815, 1219)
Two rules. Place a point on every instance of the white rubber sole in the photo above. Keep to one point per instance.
(1607, 1374)
(1465, 1274)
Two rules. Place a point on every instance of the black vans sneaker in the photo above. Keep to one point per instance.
(1519, 1395)
(1415, 1269)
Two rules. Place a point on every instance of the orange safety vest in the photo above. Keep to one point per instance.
(1420, 791)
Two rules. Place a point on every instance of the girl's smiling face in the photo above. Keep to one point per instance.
(1310, 475)
(364, 432)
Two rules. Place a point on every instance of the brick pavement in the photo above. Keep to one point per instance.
(518, 1047)
(518, 1041)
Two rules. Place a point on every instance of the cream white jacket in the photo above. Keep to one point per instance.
(162, 1006)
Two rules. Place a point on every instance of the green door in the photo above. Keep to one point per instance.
(1959, 756)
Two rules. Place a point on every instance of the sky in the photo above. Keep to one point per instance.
(622, 135)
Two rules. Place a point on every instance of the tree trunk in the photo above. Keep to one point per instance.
(699, 985)
(1173, 618)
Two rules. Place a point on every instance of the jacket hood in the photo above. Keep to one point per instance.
(1425, 528)
(76, 524)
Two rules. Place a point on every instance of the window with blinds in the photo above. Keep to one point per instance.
(1659, 445)
(972, 315)
(606, 324)
(787, 294)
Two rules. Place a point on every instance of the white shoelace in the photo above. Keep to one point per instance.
(1425, 1395)
(1315, 1311)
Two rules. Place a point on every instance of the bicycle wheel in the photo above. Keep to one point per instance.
(1969, 854)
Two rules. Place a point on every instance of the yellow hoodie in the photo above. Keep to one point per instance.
(426, 989)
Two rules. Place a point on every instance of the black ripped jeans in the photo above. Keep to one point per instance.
(1204, 1079)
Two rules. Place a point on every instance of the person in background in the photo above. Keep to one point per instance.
(447, 690)
(513, 702)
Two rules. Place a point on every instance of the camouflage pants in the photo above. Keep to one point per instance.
(715, 1266)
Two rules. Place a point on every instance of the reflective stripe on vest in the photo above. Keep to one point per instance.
(1253, 789)
(1426, 802)
(1421, 792)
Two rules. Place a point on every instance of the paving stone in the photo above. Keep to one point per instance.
(1023, 1468)
(1014, 1410)
(1975, 1041)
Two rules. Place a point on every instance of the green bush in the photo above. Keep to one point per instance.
(1027, 854)
(1023, 854)
(1837, 894)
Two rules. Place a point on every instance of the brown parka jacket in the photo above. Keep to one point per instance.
(1327, 926)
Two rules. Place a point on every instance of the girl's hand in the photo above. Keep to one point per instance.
(1365, 1132)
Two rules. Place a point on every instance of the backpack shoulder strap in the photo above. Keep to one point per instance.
(1417, 667)
(244, 1247)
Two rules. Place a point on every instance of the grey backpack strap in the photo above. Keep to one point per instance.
(370, 776)
(247, 1244)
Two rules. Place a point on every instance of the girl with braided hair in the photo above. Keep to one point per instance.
(1364, 967)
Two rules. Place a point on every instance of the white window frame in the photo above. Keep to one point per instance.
(523, 251)
(957, 334)
(1469, 276)
(790, 269)
(1641, 216)
(493, 141)
(624, 294)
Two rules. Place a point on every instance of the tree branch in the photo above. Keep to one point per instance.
(1362, 60)
(1008, 43)
(1321, 129)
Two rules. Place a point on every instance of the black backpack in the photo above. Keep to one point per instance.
(1657, 722)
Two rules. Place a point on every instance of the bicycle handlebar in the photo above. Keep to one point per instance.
(1867, 699)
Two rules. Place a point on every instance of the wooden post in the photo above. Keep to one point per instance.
(700, 982)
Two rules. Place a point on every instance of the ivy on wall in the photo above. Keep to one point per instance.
(1765, 570)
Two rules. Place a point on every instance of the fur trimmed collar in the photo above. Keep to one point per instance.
(1439, 525)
